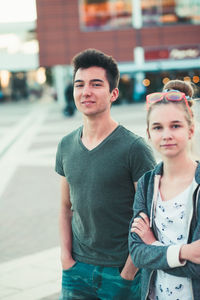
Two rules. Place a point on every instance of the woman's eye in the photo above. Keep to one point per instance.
(157, 128)
(175, 126)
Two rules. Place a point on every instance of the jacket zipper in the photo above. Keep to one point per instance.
(197, 200)
(192, 291)
(148, 285)
(197, 197)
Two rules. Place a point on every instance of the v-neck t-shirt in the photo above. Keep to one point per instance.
(101, 183)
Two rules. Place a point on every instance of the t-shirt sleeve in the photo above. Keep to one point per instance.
(141, 158)
(59, 164)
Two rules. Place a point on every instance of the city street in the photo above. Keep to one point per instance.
(30, 193)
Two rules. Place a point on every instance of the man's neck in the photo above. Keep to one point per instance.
(94, 131)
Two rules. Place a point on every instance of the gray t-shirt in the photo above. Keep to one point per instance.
(102, 192)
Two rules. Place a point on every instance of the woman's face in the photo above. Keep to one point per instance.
(169, 131)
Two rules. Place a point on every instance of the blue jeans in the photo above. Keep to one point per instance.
(89, 282)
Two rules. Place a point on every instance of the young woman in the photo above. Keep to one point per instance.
(164, 237)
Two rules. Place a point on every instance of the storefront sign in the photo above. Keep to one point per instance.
(172, 53)
(184, 53)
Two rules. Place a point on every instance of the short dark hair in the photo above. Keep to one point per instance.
(92, 57)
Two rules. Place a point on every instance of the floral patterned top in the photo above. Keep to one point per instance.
(172, 223)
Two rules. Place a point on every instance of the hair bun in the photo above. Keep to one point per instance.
(180, 85)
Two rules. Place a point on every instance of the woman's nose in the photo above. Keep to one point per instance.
(167, 134)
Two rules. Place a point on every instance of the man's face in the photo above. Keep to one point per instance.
(91, 91)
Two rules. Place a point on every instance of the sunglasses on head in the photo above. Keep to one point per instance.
(173, 96)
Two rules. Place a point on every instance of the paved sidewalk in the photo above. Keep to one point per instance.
(29, 195)
(31, 277)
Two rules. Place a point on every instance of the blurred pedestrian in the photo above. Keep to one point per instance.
(70, 107)
(100, 164)
(165, 234)
(1, 95)
(19, 86)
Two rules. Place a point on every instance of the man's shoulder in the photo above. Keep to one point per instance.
(70, 136)
(134, 139)
(125, 132)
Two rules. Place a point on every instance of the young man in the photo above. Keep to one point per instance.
(100, 164)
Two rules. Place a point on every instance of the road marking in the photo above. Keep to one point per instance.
(14, 146)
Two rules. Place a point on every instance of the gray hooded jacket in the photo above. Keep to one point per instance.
(153, 257)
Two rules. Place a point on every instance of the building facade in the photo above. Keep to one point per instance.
(18, 59)
(152, 40)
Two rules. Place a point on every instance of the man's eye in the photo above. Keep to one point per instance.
(78, 85)
(96, 84)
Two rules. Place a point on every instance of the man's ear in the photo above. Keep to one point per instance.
(115, 94)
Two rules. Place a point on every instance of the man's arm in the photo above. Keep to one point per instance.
(129, 270)
(65, 226)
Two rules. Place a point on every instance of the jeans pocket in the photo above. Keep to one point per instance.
(71, 268)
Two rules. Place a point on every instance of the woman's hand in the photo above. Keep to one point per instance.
(191, 252)
(141, 227)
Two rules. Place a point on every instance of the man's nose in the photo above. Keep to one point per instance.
(86, 90)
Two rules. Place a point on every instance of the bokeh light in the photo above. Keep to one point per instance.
(146, 82)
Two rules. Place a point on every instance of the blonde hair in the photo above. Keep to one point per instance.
(181, 86)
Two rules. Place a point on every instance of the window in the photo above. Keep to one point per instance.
(117, 14)
(105, 14)
(155, 12)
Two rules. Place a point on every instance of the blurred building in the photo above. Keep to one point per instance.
(152, 40)
(20, 73)
(18, 54)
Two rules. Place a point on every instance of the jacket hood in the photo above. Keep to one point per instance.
(159, 171)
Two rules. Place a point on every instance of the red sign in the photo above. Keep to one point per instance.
(172, 53)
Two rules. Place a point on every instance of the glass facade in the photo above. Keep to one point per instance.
(130, 92)
(117, 14)
(105, 14)
(155, 12)
(156, 80)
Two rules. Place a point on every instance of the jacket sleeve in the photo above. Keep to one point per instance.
(189, 269)
(145, 256)
(155, 256)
